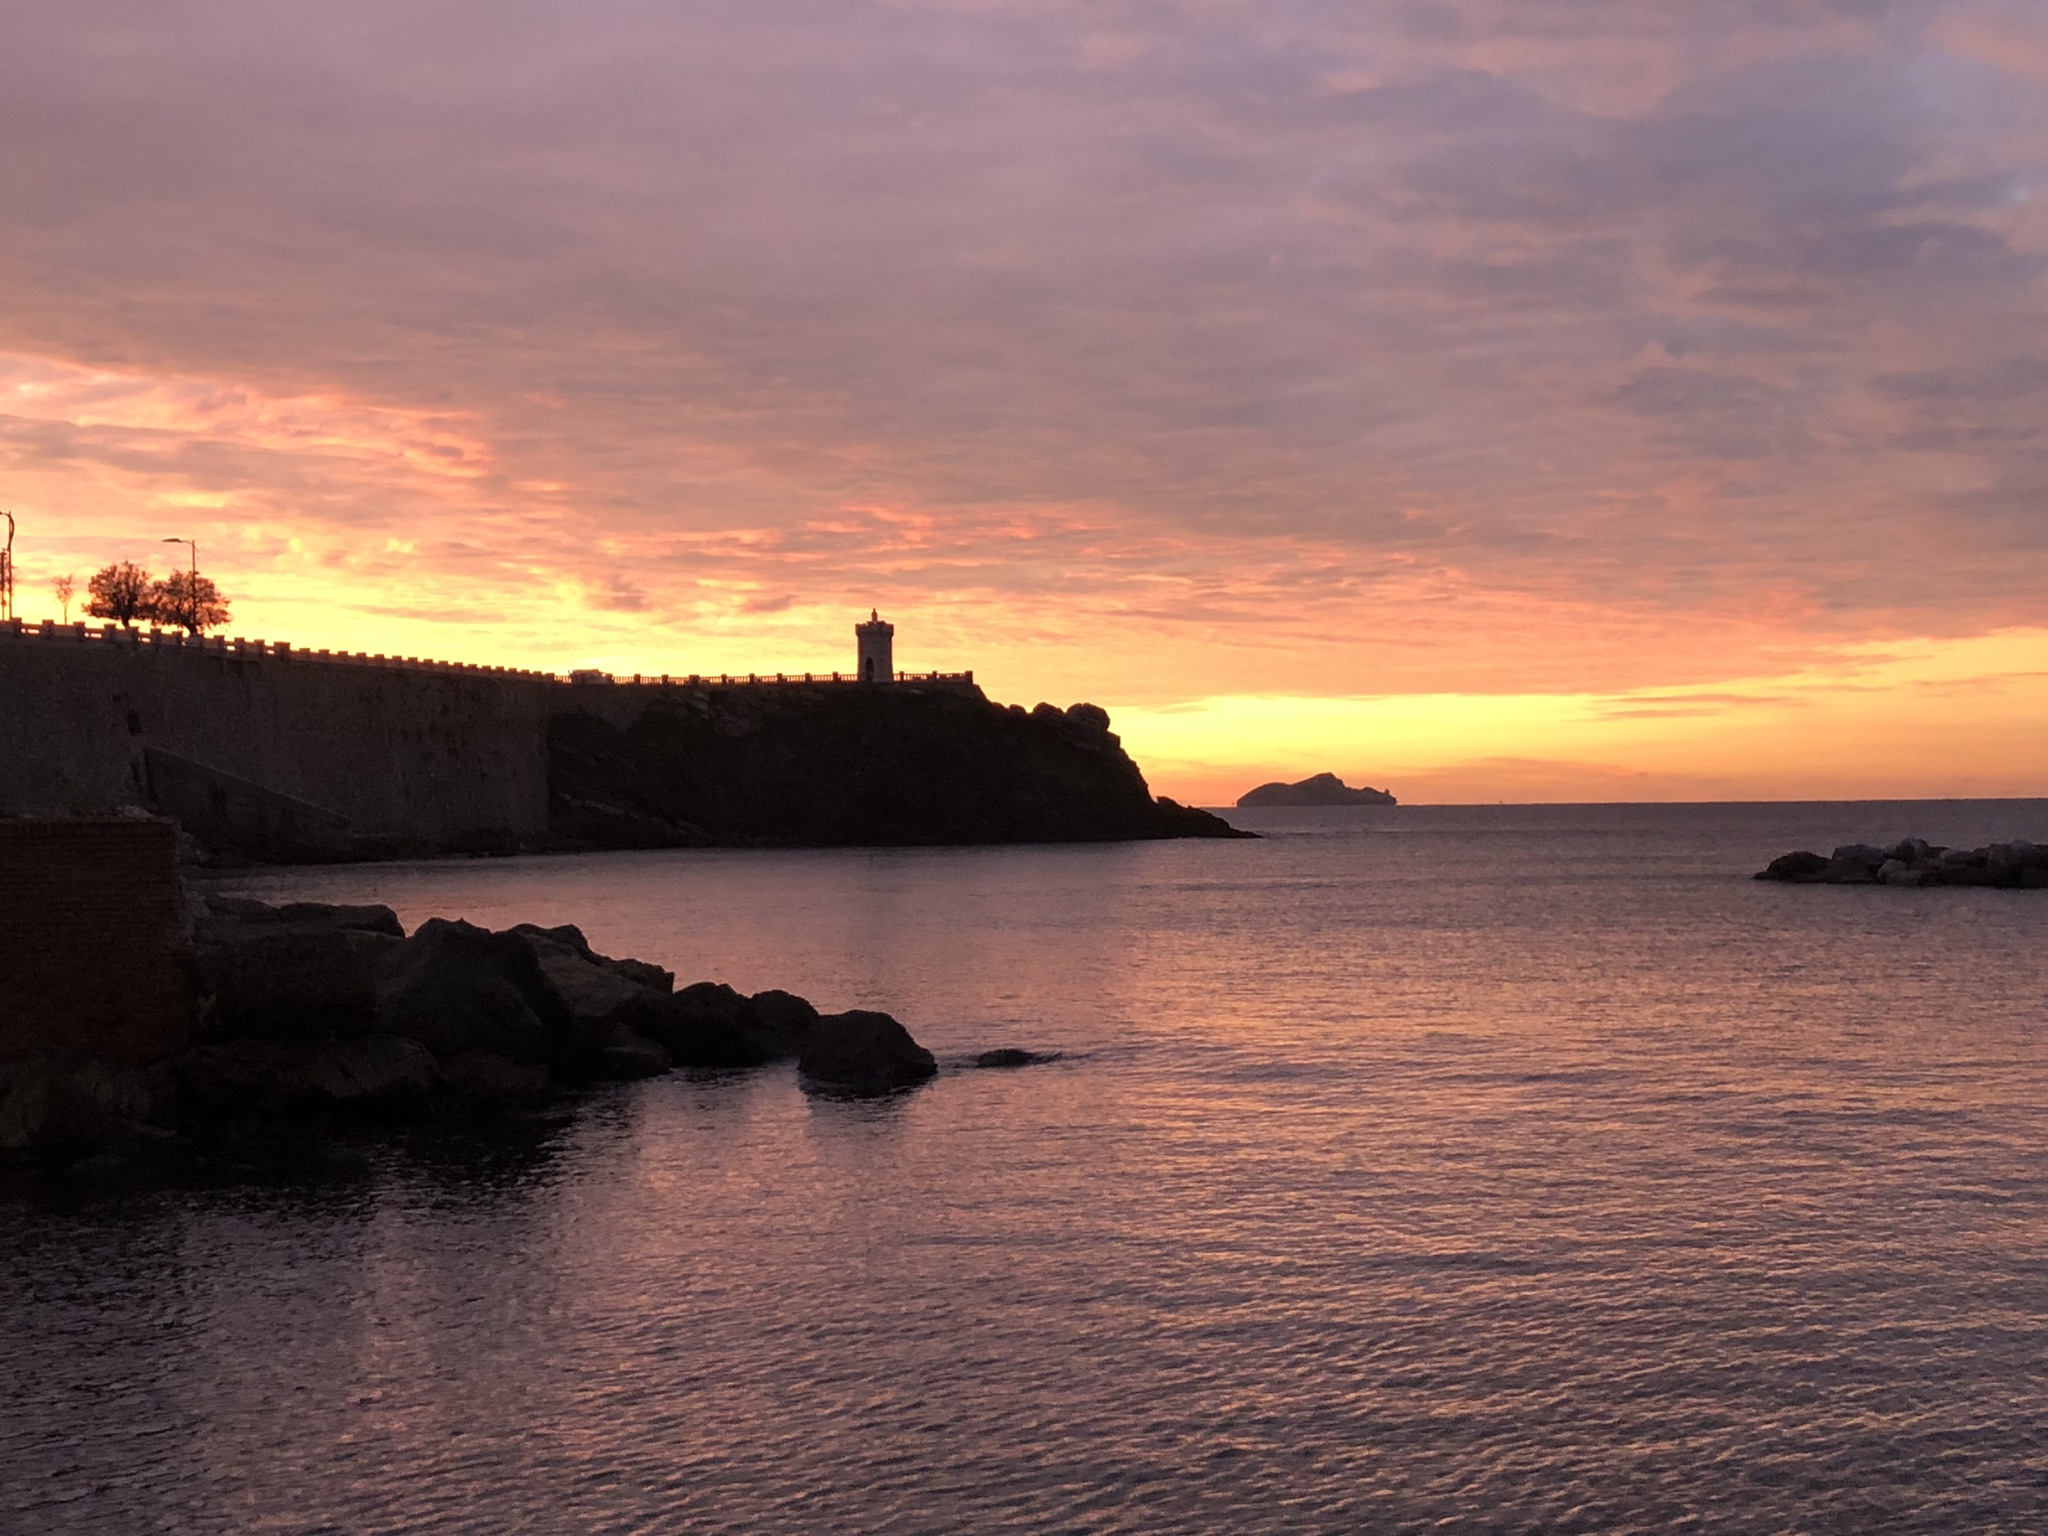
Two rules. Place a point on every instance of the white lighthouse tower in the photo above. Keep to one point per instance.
(877, 640)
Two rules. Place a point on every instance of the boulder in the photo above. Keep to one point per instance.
(562, 935)
(487, 1078)
(353, 919)
(300, 972)
(215, 905)
(618, 1005)
(708, 1024)
(59, 1112)
(863, 1052)
(568, 936)
(2008, 862)
(283, 982)
(1012, 1056)
(455, 987)
(598, 995)
(239, 1079)
(241, 911)
(786, 1019)
(594, 995)
(1854, 864)
(234, 1083)
(1803, 866)
(642, 973)
(380, 1072)
(1971, 867)
(627, 1056)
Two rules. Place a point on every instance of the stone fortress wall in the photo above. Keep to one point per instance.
(301, 751)
(94, 719)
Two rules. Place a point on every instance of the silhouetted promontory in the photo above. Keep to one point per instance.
(801, 766)
(1318, 789)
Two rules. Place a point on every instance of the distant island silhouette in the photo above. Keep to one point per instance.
(1320, 789)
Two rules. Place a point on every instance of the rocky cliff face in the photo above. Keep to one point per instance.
(794, 765)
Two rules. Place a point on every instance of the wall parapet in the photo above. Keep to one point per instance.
(168, 640)
(758, 679)
(226, 645)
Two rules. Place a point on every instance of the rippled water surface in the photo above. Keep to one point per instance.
(1480, 1170)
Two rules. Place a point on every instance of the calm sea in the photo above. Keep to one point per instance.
(1485, 1169)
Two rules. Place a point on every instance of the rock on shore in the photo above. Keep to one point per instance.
(860, 1051)
(1914, 861)
(309, 1013)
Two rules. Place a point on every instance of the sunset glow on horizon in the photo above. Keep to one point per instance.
(1487, 401)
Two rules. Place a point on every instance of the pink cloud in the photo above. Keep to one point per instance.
(1585, 345)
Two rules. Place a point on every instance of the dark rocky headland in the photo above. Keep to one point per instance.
(1913, 862)
(308, 1019)
(1317, 789)
(822, 766)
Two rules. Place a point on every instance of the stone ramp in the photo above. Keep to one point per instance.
(231, 814)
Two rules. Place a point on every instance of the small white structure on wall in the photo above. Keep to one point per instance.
(877, 640)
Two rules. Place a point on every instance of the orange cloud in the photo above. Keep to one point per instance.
(1542, 350)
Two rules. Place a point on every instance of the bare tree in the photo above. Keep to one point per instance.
(190, 600)
(119, 592)
(64, 587)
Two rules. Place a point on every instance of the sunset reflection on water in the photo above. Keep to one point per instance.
(1510, 1169)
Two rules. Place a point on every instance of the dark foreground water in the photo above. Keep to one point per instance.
(1475, 1170)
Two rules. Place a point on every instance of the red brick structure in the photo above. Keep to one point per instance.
(89, 964)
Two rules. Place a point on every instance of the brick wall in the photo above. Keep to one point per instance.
(89, 940)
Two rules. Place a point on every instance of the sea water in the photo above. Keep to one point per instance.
(1478, 1169)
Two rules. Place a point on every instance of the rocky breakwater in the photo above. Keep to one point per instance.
(312, 1015)
(1915, 862)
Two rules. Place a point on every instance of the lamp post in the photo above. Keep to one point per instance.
(191, 587)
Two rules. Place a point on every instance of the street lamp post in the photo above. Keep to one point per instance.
(191, 586)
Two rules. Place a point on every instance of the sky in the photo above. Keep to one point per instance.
(1486, 399)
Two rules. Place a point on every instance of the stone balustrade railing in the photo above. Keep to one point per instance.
(758, 679)
(225, 645)
(282, 650)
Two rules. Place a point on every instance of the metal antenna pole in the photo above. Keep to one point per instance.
(7, 571)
